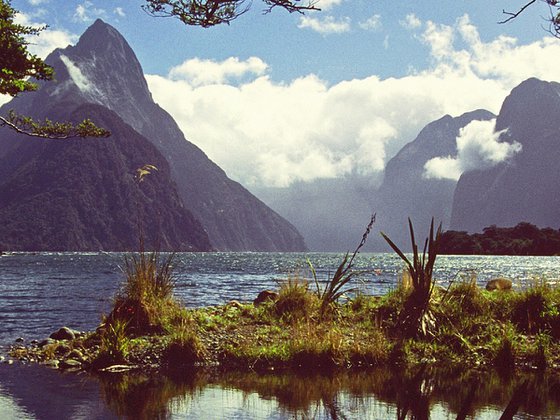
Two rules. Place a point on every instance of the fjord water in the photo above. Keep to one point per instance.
(42, 291)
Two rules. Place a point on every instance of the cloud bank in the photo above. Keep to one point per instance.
(265, 133)
(478, 147)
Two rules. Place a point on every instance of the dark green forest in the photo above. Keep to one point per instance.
(523, 239)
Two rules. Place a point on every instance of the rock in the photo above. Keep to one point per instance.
(69, 364)
(2, 358)
(34, 342)
(118, 368)
(46, 342)
(499, 283)
(77, 355)
(53, 364)
(8, 362)
(65, 333)
(62, 349)
(234, 304)
(20, 340)
(264, 296)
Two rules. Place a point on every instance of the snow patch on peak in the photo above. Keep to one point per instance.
(79, 79)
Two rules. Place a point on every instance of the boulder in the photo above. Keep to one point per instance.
(499, 283)
(264, 296)
(65, 333)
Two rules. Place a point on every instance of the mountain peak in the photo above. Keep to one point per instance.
(101, 36)
(535, 101)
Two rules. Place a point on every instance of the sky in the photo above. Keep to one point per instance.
(281, 98)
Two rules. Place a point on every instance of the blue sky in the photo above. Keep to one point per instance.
(329, 94)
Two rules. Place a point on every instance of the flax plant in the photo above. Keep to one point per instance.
(334, 288)
(416, 316)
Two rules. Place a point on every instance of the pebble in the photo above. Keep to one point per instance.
(53, 363)
(69, 363)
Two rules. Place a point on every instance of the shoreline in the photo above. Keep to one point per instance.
(360, 334)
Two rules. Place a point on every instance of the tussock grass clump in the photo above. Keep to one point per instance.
(537, 309)
(146, 300)
(295, 301)
(336, 285)
(185, 347)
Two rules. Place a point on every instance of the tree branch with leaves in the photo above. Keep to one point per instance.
(17, 67)
(207, 13)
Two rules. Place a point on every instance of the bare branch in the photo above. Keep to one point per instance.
(514, 15)
(291, 5)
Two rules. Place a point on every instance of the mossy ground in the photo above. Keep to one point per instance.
(470, 326)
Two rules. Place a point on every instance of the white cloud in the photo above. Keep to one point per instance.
(267, 133)
(119, 12)
(47, 40)
(372, 24)
(5, 99)
(203, 72)
(37, 2)
(478, 147)
(327, 4)
(86, 12)
(411, 22)
(327, 25)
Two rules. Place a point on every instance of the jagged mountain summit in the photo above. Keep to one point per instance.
(406, 192)
(524, 188)
(102, 69)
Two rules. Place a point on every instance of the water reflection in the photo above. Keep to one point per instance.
(418, 393)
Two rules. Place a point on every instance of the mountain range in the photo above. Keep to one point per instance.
(84, 194)
(100, 76)
(522, 187)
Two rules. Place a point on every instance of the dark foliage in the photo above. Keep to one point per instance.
(523, 239)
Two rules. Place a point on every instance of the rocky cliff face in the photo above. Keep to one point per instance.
(82, 194)
(526, 187)
(406, 192)
(102, 69)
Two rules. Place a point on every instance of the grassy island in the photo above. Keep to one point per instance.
(307, 325)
